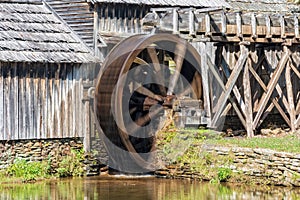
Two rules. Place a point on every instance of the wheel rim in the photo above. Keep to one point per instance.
(126, 103)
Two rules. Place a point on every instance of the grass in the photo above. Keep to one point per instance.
(288, 143)
(30, 171)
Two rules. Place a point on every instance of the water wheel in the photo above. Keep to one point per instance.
(141, 77)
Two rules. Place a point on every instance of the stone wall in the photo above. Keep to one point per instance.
(52, 150)
(272, 167)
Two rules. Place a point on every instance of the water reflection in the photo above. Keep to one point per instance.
(137, 189)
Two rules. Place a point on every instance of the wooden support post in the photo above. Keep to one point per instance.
(282, 26)
(296, 25)
(253, 25)
(248, 99)
(230, 84)
(270, 88)
(175, 21)
(290, 94)
(191, 22)
(223, 23)
(205, 81)
(268, 27)
(207, 24)
(239, 25)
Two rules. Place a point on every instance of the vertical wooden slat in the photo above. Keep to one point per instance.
(15, 97)
(80, 112)
(36, 101)
(43, 101)
(58, 109)
(51, 101)
(2, 133)
(96, 30)
(22, 101)
(74, 100)
(47, 113)
(30, 100)
(70, 102)
(65, 100)
(7, 105)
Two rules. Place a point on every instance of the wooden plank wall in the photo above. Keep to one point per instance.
(78, 15)
(43, 100)
(121, 18)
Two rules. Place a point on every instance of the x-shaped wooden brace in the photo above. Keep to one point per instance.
(268, 90)
(228, 88)
(274, 100)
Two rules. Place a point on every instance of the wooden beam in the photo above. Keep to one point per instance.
(298, 108)
(290, 95)
(230, 84)
(205, 79)
(270, 88)
(274, 100)
(248, 100)
(239, 25)
(253, 25)
(175, 21)
(219, 80)
(268, 26)
(207, 25)
(282, 26)
(223, 23)
(296, 26)
(191, 22)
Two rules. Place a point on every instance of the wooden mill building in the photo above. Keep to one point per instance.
(49, 47)
(43, 68)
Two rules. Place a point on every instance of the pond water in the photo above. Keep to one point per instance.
(139, 189)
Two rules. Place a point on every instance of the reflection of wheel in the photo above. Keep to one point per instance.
(136, 83)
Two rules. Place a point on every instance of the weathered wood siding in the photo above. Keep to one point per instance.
(44, 100)
(78, 15)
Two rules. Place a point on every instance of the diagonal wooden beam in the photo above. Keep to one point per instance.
(298, 108)
(295, 60)
(230, 84)
(274, 100)
(235, 89)
(270, 88)
(220, 82)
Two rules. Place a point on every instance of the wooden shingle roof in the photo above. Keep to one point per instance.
(31, 32)
(264, 6)
(185, 3)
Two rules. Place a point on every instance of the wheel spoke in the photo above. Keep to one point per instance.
(180, 51)
(156, 64)
(144, 91)
(140, 61)
(142, 121)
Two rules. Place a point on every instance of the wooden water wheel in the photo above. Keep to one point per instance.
(142, 76)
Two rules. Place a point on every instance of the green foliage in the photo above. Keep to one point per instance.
(27, 171)
(224, 173)
(71, 165)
